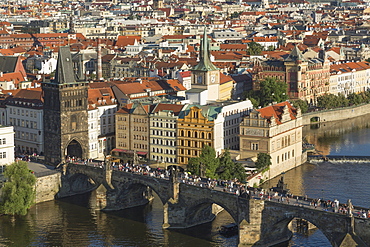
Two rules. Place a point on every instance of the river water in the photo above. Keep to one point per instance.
(74, 221)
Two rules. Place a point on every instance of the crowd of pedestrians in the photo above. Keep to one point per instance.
(232, 186)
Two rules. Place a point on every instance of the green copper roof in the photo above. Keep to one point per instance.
(295, 55)
(205, 63)
(209, 112)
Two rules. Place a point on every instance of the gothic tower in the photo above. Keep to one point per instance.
(65, 113)
(296, 66)
(205, 75)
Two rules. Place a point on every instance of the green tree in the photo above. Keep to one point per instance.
(355, 99)
(272, 90)
(253, 96)
(254, 48)
(263, 161)
(330, 101)
(255, 102)
(271, 48)
(302, 104)
(235, 15)
(228, 169)
(205, 165)
(18, 192)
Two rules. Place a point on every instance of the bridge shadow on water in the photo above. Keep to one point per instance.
(149, 219)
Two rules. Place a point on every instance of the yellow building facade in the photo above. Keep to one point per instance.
(194, 131)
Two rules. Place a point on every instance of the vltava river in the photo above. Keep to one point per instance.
(75, 222)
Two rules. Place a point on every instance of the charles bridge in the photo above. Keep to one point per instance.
(261, 222)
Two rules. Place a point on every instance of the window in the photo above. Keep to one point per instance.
(254, 146)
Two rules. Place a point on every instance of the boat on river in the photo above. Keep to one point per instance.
(229, 230)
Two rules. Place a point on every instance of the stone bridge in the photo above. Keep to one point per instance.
(261, 222)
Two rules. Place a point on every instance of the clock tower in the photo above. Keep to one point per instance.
(205, 75)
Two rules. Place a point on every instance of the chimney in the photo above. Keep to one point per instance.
(100, 70)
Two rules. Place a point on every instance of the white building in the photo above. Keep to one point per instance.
(24, 111)
(226, 125)
(46, 65)
(6, 146)
(349, 77)
(101, 121)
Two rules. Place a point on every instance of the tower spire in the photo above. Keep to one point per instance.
(64, 72)
(205, 63)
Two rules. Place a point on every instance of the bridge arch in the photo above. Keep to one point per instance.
(136, 193)
(333, 226)
(202, 209)
(77, 183)
(315, 119)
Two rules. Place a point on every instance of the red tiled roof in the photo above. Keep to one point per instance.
(123, 41)
(225, 78)
(276, 111)
(175, 108)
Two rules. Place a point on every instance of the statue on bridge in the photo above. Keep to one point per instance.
(281, 187)
(350, 208)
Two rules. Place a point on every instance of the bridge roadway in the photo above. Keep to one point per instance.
(262, 217)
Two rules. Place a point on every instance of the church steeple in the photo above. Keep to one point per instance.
(205, 63)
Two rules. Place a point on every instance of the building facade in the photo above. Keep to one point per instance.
(275, 130)
(307, 79)
(163, 133)
(132, 129)
(194, 131)
(6, 146)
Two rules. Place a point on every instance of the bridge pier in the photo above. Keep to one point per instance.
(101, 197)
(252, 230)
(180, 216)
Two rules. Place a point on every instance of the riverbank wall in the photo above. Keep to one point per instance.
(47, 187)
(335, 114)
(261, 177)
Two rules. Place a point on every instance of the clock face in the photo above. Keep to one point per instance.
(213, 79)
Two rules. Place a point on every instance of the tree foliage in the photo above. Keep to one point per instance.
(228, 169)
(302, 104)
(18, 192)
(254, 48)
(205, 165)
(235, 15)
(271, 90)
(210, 166)
(330, 101)
(263, 161)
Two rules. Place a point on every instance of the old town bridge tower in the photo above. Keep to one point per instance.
(65, 113)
